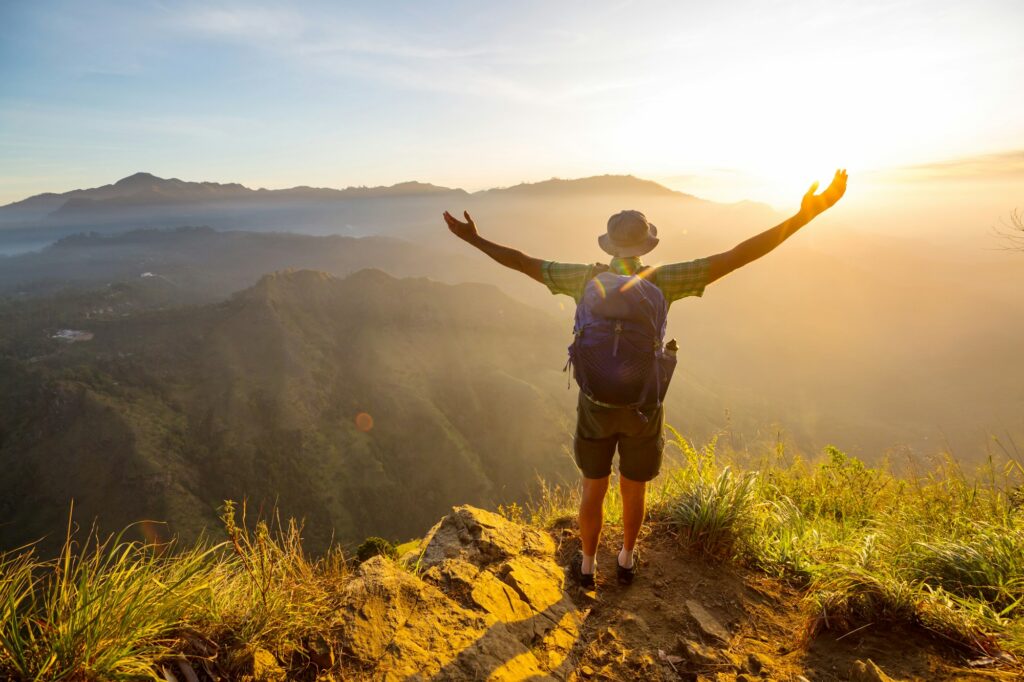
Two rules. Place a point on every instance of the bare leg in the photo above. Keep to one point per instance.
(592, 515)
(634, 496)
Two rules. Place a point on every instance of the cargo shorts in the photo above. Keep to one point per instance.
(600, 429)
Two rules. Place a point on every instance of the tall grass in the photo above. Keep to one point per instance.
(106, 610)
(944, 550)
(115, 609)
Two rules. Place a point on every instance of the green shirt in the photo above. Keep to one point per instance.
(677, 280)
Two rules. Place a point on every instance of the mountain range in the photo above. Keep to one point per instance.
(147, 190)
(406, 210)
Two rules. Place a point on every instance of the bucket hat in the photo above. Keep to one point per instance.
(629, 234)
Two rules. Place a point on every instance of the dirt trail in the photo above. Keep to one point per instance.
(760, 625)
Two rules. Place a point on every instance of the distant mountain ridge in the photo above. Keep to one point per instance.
(203, 265)
(145, 188)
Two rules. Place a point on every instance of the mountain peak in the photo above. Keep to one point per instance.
(596, 184)
(298, 280)
(137, 179)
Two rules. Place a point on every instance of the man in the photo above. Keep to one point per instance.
(635, 430)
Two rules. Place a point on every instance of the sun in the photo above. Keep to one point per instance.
(774, 132)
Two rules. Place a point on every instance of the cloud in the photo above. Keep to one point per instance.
(406, 55)
(979, 167)
(244, 23)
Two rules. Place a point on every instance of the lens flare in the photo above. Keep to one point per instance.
(631, 282)
(364, 422)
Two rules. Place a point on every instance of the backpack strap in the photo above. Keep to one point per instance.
(595, 270)
(648, 272)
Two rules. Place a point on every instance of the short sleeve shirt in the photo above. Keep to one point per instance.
(676, 280)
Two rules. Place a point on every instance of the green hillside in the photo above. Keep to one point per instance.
(163, 415)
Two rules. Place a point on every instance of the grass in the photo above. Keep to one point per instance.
(113, 609)
(943, 550)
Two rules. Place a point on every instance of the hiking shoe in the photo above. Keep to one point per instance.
(625, 575)
(585, 580)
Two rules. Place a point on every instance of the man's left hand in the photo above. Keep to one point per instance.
(814, 204)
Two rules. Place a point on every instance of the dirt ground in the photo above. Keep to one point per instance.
(648, 631)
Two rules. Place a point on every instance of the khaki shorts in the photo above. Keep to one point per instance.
(640, 440)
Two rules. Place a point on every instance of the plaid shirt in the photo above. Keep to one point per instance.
(677, 280)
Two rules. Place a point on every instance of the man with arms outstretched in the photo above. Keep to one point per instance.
(635, 430)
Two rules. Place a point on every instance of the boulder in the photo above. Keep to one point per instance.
(482, 537)
(491, 604)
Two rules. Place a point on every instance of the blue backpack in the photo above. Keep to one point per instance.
(617, 355)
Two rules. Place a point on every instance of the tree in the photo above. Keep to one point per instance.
(1012, 233)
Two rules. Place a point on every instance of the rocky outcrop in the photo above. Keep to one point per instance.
(485, 601)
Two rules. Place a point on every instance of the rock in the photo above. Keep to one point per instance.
(708, 624)
(758, 664)
(481, 537)
(320, 652)
(735, 660)
(452, 575)
(265, 667)
(255, 664)
(868, 672)
(538, 581)
(500, 600)
(491, 605)
(696, 653)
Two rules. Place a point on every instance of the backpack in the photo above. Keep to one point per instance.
(617, 355)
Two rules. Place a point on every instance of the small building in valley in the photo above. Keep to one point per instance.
(72, 335)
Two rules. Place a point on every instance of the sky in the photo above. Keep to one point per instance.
(726, 100)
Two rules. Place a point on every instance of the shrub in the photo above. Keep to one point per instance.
(373, 546)
(712, 515)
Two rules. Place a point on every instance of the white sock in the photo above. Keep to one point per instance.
(626, 558)
(588, 564)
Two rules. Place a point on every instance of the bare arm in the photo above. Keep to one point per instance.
(509, 257)
(812, 205)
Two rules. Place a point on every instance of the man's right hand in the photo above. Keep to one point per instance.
(510, 258)
(462, 230)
